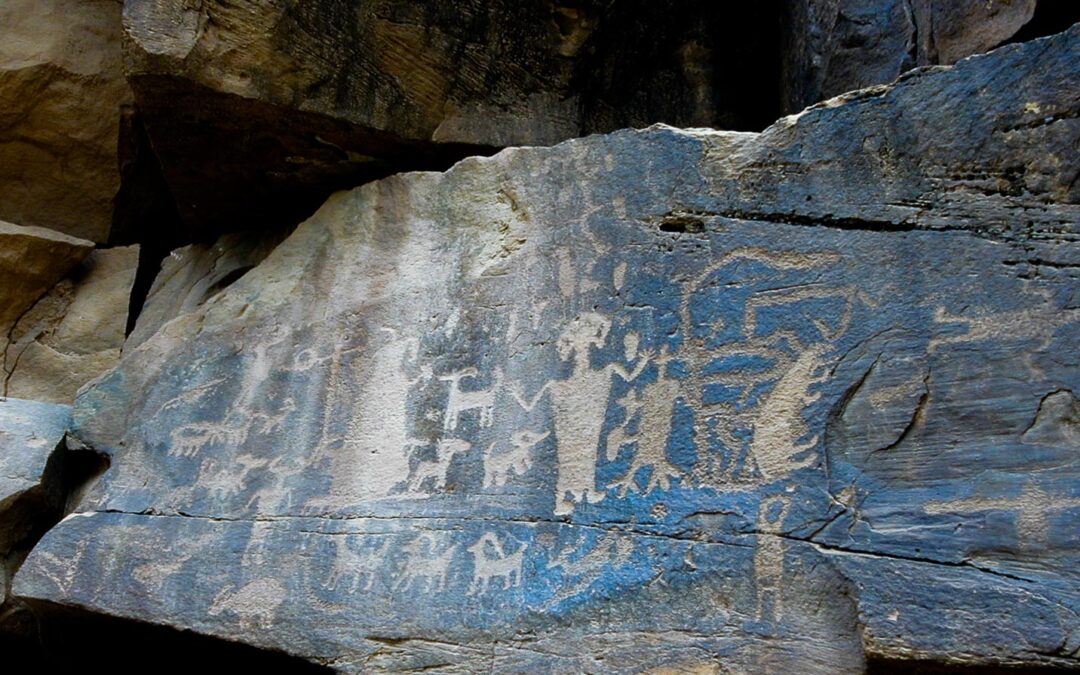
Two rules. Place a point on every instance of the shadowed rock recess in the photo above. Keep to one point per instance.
(803, 400)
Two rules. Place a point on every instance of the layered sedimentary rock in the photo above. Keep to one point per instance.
(73, 332)
(61, 90)
(783, 401)
(258, 110)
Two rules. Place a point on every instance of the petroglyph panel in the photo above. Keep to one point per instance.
(524, 404)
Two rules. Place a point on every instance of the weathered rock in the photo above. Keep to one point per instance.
(61, 89)
(258, 110)
(193, 274)
(32, 260)
(784, 401)
(834, 46)
(75, 332)
(29, 433)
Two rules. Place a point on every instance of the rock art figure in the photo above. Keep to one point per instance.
(579, 404)
(254, 604)
(358, 568)
(502, 566)
(499, 466)
(460, 401)
(424, 565)
(445, 452)
(655, 408)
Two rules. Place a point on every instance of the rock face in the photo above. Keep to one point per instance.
(191, 275)
(784, 401)
(32, 260)
(29, 433)
(834, 46)
(74, 332)
(258, 109)
(61, 90)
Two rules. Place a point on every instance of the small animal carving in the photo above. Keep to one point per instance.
(445, 451)
(424, 565)
(461, 401)
(254, 604)
(498, 467)
(506, 567)
(357, 567)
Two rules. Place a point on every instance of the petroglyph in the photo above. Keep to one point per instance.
(579, 404)
(498, 566)
(460, 401)
(655, 407)
(374, 391)
(358, 568)
(769, 557)
(423, 565)
(254, 604)
(445, 451)
(189, 439)
(499, 466)
(1032, 506)
(612, 550)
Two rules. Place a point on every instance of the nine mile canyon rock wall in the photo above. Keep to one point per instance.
(802, 400)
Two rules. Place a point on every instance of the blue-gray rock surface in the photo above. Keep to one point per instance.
(683, 399)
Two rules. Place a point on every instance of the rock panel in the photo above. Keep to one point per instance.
(32, 260)
(658, 399)
(75, 332)
(61, 90)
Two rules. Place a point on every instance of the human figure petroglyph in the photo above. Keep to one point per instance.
(655, 406)
(445, 451)
(460, 401)
(358, 568)
(254, 604)
(502, 566)
(499, 466)
(422, 563)
(374, 455)
(579, 404)
(769, 556)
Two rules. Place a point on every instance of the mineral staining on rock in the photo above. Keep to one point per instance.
(655, 399)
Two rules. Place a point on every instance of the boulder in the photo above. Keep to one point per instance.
(834, 46)
(29, 433)
(32, 260)
(789, 401)
(191, 275)
(61, 91)
(74, 332)
(258, 110)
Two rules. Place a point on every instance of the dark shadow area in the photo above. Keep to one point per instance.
(712, 64)
(62, 640)
(898, 667)
(1051, 17)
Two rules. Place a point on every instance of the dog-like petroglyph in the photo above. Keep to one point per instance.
(500, 466)
(492, 563)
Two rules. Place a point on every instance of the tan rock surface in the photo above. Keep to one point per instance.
(32, 260)
(61, 88)
(74, 333)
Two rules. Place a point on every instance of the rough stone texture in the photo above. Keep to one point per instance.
(665, 399)
(75, 332)
(191, 275)
(32, 260)
(259, 109)
(29, 433)
(61, 89)
(834, 46)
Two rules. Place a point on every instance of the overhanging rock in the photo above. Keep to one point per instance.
(667, 398)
